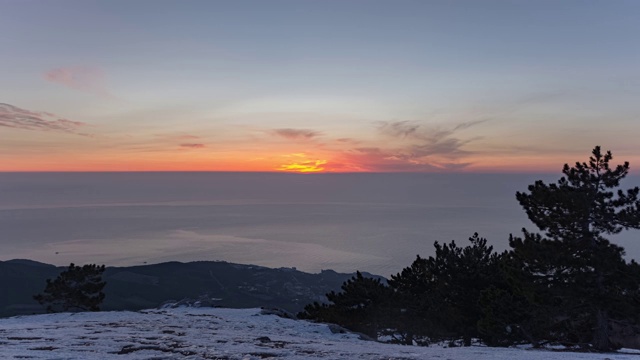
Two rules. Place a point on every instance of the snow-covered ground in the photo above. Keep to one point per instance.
(215, 333)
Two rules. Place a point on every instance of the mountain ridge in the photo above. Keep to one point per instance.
(139, 287)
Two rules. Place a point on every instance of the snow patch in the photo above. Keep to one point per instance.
(199, 333)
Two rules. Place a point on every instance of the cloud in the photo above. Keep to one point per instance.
(419, 142)
(171, 137)
(347, 141)
(389, 160)
(187, 137)
(398, 128)
(468, 124)
(447, 147)
(192, 146)
(296, 134)
(297, 155)
(91, 80)
(18, 118)
(410, 146)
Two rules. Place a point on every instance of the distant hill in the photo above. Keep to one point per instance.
(140, 287)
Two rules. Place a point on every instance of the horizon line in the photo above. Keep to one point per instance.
(271, 172)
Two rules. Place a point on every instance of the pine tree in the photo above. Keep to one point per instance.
(443, 291)
(584, 278)
(363, 305)
(75, 289)
(415, 300)
(504, 314)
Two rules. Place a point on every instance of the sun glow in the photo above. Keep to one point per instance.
(304, 166)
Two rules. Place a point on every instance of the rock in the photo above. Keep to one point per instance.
(337, 329)
(277, 312)
(202, 301)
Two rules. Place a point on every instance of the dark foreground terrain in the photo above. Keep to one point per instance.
(141, 287)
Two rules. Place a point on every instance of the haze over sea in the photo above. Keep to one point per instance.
(373, 222)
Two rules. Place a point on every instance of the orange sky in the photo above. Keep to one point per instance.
(33, 140)
(199, 159)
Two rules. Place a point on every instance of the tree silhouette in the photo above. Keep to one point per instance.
(441, 292)
(362, 305)
(568, 284)
(75, 289)
(582, 207)
(584, 277)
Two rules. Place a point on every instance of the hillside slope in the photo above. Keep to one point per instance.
(217, 333)
(142, 287)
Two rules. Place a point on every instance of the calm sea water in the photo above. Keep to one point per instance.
(371, 222)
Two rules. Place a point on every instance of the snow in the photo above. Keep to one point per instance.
(217, 333)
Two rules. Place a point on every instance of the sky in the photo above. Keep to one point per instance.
(317, 86)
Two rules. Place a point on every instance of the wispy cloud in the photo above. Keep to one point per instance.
(398, 128)
(187, 137)
(18, 118)
(170, 137)
(420, 141)
(410, 146)
(192, 146)
(296, 134)
(393, 160)
(80, 78)
(296, 155)
(468, 124)
(347, 141)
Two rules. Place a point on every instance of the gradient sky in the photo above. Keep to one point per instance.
(342, 85)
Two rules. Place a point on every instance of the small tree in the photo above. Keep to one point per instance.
(585, 278)
(363, 305)
(75, 289)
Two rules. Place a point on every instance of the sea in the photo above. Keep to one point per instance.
(375, 222)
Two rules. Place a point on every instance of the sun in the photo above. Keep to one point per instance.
(309, 166)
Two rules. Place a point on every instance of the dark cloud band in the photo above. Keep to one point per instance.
(297, 134)
(18, 118)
